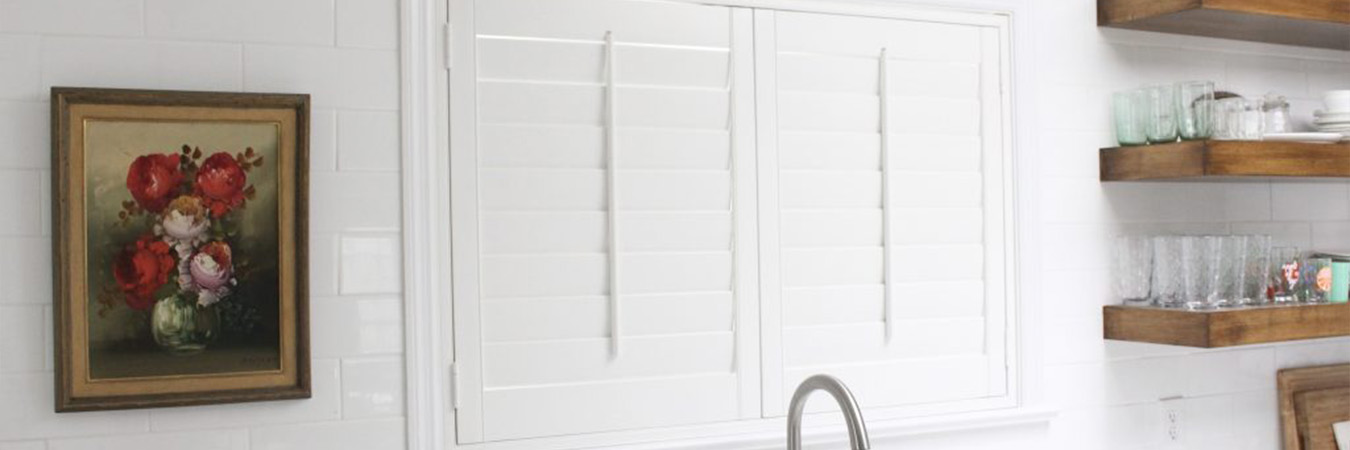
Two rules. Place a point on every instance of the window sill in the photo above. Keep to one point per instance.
(833, 434)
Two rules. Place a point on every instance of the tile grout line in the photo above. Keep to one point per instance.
(145, 19)
(334, 4)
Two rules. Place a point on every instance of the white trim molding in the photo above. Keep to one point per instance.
(426, 222)
(832, 435)
(428, 322)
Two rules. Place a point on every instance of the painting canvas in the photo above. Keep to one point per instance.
(180, 262)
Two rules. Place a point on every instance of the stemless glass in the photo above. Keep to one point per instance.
(1133, 268)
(1165, 286)
(1194, 109)
(1286, 274)
(1161, 101)
(1249, 121)
(1253, 271)
(1275, 114)
(1221, 123)
(1222, 260)
(1195, 275)
(1130, 116)
(1316, 280)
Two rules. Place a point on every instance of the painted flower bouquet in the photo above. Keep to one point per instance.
(182, 264)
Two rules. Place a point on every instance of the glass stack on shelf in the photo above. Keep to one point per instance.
(1163, 113)
(1193, 110)
(1218, 272)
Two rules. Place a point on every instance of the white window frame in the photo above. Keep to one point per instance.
(427, 56)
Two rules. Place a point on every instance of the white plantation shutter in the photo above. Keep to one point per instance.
(534, 342)
(727, 164)
(825, 285)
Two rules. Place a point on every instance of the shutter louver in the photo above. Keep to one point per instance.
(561, 353)
(832, 208)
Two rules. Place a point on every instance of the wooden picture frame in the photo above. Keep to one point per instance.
(1294, 384)
(180, 247)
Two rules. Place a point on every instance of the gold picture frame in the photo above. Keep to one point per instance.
(180, 247)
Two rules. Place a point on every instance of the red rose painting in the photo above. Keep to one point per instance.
(220, 183)
(141, 269)
(186, 214)
(180, 224)
(153, 179)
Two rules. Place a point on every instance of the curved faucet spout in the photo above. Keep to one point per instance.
(857, 430)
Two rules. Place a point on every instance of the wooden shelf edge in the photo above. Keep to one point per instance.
(1114, 12)
(1197, 160)
(1227, 327)
(1308, 23)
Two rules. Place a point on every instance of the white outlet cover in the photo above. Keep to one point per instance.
(1173, 420)
(1172, 424)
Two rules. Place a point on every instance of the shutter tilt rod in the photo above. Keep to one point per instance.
(886, 248)
(611, 195)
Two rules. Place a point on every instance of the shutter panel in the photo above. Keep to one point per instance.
(539, 347)
(945, 209)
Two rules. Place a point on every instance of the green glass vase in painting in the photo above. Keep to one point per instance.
(182, 327)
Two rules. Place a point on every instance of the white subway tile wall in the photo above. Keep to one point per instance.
(341, 52)
(367, 24)
(24, 445)
(364, 434)
(372, 388)
(263, 21)
(106, 62)
(81, 17)
(1111, 393)
(21, 75)
(367, 140)
(323, 140)
(201, 439)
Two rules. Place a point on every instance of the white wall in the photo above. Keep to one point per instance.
(1110, 392)
(344, 53)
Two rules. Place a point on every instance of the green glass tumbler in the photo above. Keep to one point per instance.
(1195, 109)
(1130, 116)
(1160, 106)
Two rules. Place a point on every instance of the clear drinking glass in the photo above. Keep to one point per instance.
(1222, 261)
(1238, 118)
(1253, 272)
(1160, 102)
(1165, 286)
(1316, 280)
(1249, 121)
(1275, 114)
(1130, 116)
(1133, 268)
(1195, 274)
(1221, 123)
(1195, 109)
(1286, 274)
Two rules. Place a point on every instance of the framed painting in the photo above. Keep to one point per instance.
(179, 247)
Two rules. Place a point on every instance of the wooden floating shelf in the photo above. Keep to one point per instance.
(1308, 23)
(1226, 327)
(1219, 160)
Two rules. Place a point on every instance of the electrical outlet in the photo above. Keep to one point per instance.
(1172, 420)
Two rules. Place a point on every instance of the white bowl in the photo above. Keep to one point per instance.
(1337, 101)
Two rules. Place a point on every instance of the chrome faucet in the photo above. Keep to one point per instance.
(857, 430)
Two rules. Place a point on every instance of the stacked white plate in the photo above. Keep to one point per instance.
(1336, 117)
(1331, 127)
(1332, 122)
